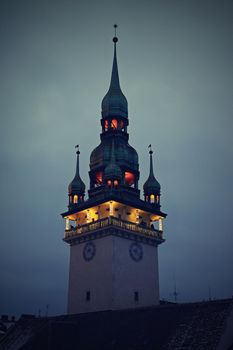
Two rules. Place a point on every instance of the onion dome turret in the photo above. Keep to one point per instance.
(114, 124)
(152, 187)
(76, 189)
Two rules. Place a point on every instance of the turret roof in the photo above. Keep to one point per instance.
(77, 186)
(114, 102)
(151, 186)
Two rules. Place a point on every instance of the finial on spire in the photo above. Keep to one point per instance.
(78, 152)
(150, 149)
(115, 39)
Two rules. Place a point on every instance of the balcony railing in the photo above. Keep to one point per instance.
(112, 221)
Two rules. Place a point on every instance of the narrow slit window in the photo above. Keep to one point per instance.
(88, 295)
(136, 296)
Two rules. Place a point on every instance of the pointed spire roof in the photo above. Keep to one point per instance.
(112, 170)
(151, 186)
(77, 186)
(114, 102)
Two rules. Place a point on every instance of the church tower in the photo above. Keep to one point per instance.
(113, 234)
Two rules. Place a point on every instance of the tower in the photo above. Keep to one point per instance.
(112, 235)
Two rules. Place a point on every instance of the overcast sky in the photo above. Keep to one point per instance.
(175, 64)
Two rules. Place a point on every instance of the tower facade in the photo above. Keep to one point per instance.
(113, 234)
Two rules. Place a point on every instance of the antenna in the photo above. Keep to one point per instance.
(47, 310)
(175, 293)
(209, 290)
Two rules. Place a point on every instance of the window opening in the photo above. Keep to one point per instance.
(88, 295)
(136, 296)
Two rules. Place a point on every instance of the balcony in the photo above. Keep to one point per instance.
(109, 222)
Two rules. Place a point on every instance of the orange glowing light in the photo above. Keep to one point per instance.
(129, 178)
(99, 177)
(109, 183)
(106, 125)
(114, 123)
(115, 183)
(75, 199)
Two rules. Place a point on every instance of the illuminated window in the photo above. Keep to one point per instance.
(106, 125)
(109, 183)
(75, 199)
(129, 178)
(115, 183)
(99, 178)
(152, 198)
(160, 224)
(67, 223)
(88, 216)
(114, 124)
(111, 208)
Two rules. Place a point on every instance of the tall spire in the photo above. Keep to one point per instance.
(114, 102)
(77, 186)
(151, 186)
(77, 162)
(151, 162)
(115, 83)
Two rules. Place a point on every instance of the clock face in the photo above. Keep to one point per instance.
(89, 251)
(136, 251)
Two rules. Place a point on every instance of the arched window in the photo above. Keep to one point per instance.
(157, 199)
(115, 183)
(98, 178)
(129, 178)
(106, 125)
(114, 123)
(75, 199)
(152, 198)
(109, 183)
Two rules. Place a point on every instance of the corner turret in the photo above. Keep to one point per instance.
(76, 189)
(152, 187)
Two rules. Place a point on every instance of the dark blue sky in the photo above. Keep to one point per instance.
(175, 64)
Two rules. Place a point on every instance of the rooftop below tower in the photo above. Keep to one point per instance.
(203, 325)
